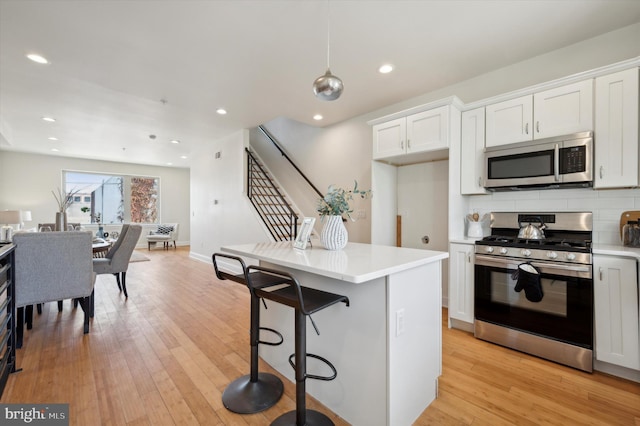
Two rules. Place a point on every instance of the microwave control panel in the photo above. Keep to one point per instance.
(573, 159)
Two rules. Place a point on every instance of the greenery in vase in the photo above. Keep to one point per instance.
(64, 199)
(336, 202)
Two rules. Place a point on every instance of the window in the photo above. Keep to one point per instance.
(104, 198)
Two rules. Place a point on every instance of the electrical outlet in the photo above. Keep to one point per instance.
(361, 214)
(399, 322)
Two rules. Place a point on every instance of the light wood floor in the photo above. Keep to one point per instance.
(165, 355)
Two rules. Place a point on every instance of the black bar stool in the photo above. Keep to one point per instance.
(256, 391)
(305, 301)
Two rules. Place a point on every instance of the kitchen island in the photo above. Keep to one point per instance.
(386, 346)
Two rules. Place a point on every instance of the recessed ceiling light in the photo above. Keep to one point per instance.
(385, 69)
(184, 157)
(169, 164)
(54, 149)
(37, 58)
(49, 119)
(53, 138)
(318, 117)
(176, 141)
(221, 111)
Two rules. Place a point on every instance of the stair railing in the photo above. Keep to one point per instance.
(273, 141)
(276, 212)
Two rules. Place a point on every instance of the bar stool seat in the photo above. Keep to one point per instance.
(305, 302)
(256, 391)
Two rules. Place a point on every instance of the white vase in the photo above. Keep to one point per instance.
(334, 235)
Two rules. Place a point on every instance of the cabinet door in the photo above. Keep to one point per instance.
(389, 138)
(429, 130)
(461, 290)
(472, 152)
(563, 110)
(509, 121)
(616, 311)
(616, 130)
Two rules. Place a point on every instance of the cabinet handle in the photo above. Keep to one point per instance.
(401, 144)
(538, 126)
(408, 143)
(601, 172)
(526, 128)
(469, 258)
(480, 181)
(601, 274)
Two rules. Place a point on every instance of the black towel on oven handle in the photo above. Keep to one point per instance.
(528, 278)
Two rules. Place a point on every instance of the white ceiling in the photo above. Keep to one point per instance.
(113, 61)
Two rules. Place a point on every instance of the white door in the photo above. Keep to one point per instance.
(509, 121)
(428, 130)
(423, 197)
(563, 110)
(389, 138)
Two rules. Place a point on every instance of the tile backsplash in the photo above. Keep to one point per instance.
(606, 205)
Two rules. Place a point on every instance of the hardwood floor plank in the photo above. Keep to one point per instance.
(165, 355)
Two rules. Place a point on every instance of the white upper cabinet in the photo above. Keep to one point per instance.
(563, 110)
(420, 132)
(429, 130)
(509, 121)
(472, 152)
(616, 130)
(554, 112)
(390, 138)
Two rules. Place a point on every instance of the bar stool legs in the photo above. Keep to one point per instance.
(256, 391)
(301, 416)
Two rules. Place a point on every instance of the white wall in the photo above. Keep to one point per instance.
(338, 155)
(26, 182)
(221, 213)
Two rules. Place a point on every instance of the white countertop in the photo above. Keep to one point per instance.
(356, 263)
(616, 250)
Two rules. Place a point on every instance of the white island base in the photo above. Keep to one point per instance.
(386, 346)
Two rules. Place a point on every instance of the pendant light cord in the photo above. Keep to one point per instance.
(328, 32)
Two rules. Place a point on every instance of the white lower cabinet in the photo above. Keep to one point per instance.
(617, 324)
(461, 281)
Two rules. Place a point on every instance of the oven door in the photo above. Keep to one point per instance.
(565, 312)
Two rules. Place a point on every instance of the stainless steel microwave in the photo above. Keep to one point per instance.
(558, 162)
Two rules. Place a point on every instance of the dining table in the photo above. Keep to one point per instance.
(101, 248)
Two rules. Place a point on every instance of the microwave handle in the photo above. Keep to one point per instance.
(556, 162)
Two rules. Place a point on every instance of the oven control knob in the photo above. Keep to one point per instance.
(489, 249)
(526, 252)
(503, 250)
(571, 256)
(552, 254)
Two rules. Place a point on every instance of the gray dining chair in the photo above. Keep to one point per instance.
(53, 266)
(116, 261)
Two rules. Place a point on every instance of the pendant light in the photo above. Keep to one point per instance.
(328, 87)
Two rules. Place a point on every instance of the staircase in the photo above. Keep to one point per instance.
(272, 206)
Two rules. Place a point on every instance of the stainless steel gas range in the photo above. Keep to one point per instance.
(534, 285)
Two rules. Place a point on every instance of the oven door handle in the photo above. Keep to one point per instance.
(580, 271)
